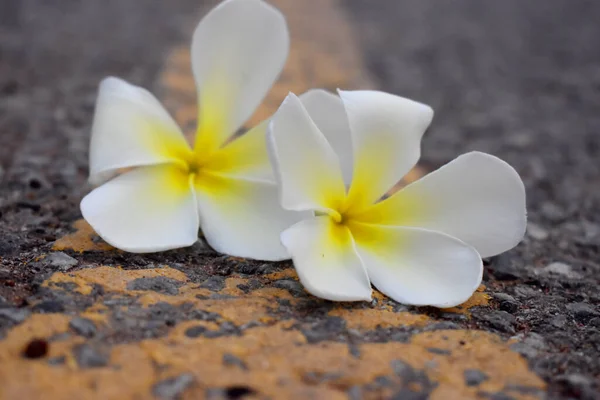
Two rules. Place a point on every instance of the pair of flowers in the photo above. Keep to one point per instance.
(306, 184)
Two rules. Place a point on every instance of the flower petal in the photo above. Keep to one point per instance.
(418, 267)
(386, 138)
(306, 167)
(243, 218)
(131, 128)
(328, 113)
(145, 210)
(238, 51)
(476, 198)
(326, 260)
(245, 157)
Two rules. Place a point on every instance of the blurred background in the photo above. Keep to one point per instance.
(518, 79)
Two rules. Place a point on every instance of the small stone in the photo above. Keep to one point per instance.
(552, 212)
(591, 233)
(60, 360)
(506, 302)
(402, 337)
(16, 315)
(435, 350)
(443, 325)
(559, 268)
(83, 327)
(526, 292)
(355, 393)
(324, 329)
(450, 316)
(228, 328)
(404, 370)
(581, 384)
(172, 388)
(159, 284)
(60, 260)
(214, 283)
(499, 320)
(204, 315)
(88, 357)
(230, 359)
(536, 232)
(49, 307)
(195, 331)
(474, 377)
(582, 312)
(595, 322)
(220, 296)
(265, 269)
(200, 247)
(559, 321)
(529, 344)
(9, 245)
(294, 287)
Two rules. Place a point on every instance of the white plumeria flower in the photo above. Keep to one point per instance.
(421, 246)
(238, 51)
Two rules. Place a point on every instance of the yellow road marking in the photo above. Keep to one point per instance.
(280, 361)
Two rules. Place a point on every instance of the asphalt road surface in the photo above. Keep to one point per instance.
(80, 320)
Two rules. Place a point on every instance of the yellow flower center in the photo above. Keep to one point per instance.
(193, 166)
(335, 215)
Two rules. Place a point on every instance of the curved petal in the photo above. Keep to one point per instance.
(243, 218)
(328, 113)
(418, 267)
(326, 260)
(245, 157)
(131, 128)
(386, 139)
(476, 198)
(145, 210)
(238, 51)
(306, 167)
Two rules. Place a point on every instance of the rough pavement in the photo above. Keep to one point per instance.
(81, 320)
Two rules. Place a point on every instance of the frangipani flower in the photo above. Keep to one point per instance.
(238, 50)
(422, 245)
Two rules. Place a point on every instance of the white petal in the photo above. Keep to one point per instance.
(476, 198)
(243, 218)
(305, 165)
(326, 260)
(131, 128)
(238, 51)
(328, 113)
(246, 156)
(145, 210)
(418, 267)
(386, 139)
